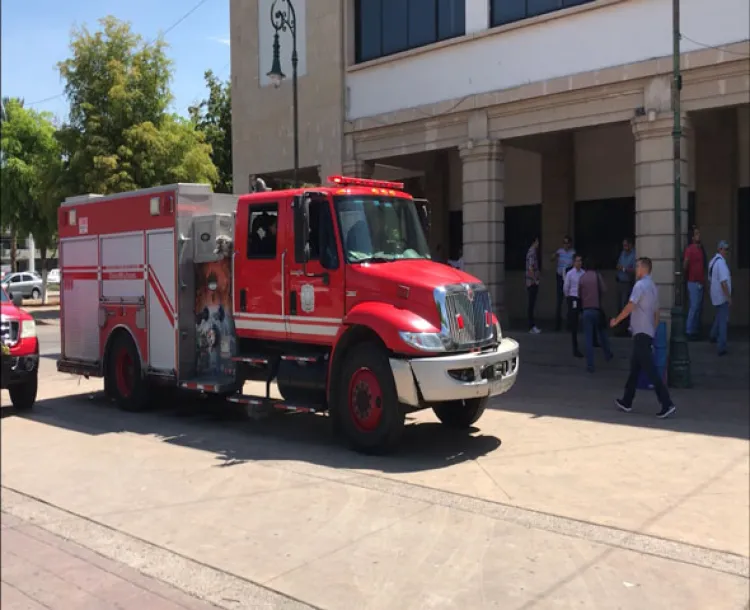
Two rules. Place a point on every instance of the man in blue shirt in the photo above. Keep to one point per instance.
(643, 309)
(625, 273)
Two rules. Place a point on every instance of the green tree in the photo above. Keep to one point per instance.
(119, 134)
(213, 117)
(30, 170)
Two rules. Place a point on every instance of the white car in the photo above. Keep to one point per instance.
(53, 277)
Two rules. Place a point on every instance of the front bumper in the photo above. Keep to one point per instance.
(19, 369)
(456, 377)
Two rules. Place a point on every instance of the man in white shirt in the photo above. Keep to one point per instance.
(570, 290)
(721, 295)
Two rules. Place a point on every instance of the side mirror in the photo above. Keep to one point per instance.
(17, 300)
(303, 210)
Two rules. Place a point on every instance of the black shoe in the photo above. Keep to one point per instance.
(577, 355)
(723, 353)
(622, 406)
(666, 412)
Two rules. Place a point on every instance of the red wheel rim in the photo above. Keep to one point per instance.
(365, 400)
(124, 373)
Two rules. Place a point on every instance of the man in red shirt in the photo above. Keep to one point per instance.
(694, 264)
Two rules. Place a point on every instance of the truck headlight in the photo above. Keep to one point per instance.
(426, 342)
(28, 329)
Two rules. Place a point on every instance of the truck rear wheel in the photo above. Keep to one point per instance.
(124, 379)
(23, 395)
(367, 406)
(460, 414)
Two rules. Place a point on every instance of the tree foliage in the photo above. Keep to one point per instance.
(119, 134)
(213, 117)
(30, 172)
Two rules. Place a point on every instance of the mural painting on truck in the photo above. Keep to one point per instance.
(214, 322)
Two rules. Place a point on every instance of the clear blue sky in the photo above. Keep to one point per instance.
(36, 34)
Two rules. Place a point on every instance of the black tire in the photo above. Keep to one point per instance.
(367, 410)
(36, 294)
(124, 378)
(460, 414)
(23, 395)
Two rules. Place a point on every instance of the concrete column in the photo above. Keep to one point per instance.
(654, 198)
(357, 169)
(484, 215)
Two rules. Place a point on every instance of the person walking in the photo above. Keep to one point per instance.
(721, 295)
(563, 258)
(694, 264)
(532, 283)
(570, 290)
(591, 287)
(643, 309)
(625, 274)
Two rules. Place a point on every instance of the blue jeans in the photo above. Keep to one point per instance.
(592, 328)
(719, 329)
(695, 291)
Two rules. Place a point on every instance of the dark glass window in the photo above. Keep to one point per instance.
(451, 18)
(743, 228)
(385, 27)
(508, 11)
(395, 24)
(369, 30)
(523, 223)
(261, 234)
(600, 227)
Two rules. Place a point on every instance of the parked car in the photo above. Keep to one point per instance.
(20, 352)
(26, 284)
(53, 277)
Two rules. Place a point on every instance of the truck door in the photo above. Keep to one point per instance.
(259, 281)
(316, 288)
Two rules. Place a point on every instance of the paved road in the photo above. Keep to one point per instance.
(555, 501)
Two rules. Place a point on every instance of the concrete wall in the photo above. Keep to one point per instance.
(262, 134)
(580, 39)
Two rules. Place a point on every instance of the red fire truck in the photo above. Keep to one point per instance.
(329, 292)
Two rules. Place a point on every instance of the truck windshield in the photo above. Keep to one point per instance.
(380, 229)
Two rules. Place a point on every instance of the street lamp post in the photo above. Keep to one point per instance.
(679, 357)
(283, 18)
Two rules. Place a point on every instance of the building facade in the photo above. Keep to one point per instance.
(516, 119)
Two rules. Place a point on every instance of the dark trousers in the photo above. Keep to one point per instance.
(560, 299)
(574, 314)
(643, 360)
(532, 291)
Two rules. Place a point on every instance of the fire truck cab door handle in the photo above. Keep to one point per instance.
(243, 299)
(293, 303)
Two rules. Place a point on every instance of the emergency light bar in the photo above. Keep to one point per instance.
(378, 184)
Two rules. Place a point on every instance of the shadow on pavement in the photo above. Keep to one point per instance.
(219, 428)
(576, 394)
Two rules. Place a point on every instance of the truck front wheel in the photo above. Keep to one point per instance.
(367, 407)
(460, 414)
(124, 379)
(23, 395)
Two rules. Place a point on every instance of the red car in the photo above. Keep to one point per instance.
(20, 352)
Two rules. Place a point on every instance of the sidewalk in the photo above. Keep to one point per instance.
(43, 571)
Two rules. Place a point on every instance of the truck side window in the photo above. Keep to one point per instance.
(322, 236)
(261, 233)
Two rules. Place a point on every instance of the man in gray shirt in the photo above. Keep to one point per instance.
(643, 309)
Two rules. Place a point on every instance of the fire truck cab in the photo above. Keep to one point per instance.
(329, 292)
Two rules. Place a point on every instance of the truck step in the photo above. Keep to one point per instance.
(251, 360)
(258, 406)
(209, 385)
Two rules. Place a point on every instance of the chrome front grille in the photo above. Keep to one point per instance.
(470, 304)
(9, 330)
